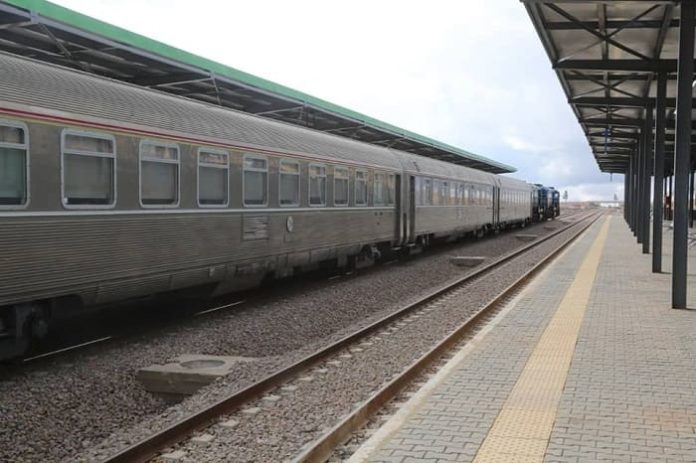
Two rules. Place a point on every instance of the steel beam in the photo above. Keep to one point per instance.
(612, 145)
(682, 153)
(584, 77)
(617, 65)
(641, 24)
(624, 122)
(627, 122)
(669, 137)
(169, 79)
(544, 2)
(620, 102)
(659, 169)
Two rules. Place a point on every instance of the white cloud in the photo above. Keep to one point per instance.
(596, 191)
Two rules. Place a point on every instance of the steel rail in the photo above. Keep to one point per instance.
(148, 447)
(322, 449)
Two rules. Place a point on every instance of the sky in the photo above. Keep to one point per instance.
(470, 74)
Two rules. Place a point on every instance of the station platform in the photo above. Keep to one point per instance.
(588, 363)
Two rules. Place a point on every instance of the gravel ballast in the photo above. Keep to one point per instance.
(279, 430)
(88, 404)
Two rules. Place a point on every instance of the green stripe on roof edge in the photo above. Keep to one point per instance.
(78, 20)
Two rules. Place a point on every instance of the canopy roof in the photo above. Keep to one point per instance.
(607, 55)
(44, 31)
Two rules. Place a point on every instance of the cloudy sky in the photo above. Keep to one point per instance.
(471, 74)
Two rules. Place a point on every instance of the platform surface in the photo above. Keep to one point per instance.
(587, 364)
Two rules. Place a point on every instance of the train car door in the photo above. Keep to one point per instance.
(496, 206)
(400, 217)
(411, 218)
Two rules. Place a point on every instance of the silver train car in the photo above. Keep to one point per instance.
(110, 192)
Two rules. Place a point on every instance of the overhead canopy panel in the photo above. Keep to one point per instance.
(607, 55)
(47, 32)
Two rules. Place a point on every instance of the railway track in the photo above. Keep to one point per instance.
(320, 450)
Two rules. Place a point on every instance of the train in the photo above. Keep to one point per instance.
(112, 192)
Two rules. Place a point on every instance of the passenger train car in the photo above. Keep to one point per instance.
(110, 191)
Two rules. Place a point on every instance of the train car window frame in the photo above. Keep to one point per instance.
(297, 177)
(460, 194)
(427, 191)
(379, 186)
(310, 176)
(437, 191)
(211, 165)
(453, 194)
(245, 169)
(391, 189)
(154, 159)
(25, 145)
(364, 182)
(65, 133)
(344, 177)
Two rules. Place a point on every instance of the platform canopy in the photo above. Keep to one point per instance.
(622, 65)
(607, 55)
(48, 32)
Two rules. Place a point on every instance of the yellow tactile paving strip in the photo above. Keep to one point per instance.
(522, 429)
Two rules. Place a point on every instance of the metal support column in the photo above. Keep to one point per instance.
(664, 196)
(625, 196)
(691, 199)
(640, 186)
(634, 157)
(682, 152)
(659, 170)
(647, 168)
(671, 198)
(631, 192)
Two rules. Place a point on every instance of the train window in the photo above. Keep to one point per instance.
(159, 174)
(14, 161)
(255, 181)
(88, 169)
(444, 193)
(341, 177)
(360, 188)
(289, 183)
(453, 194)
(436, 192)
(391, 189)
(213, 178)
(380, 193)
(317, 185)
(427, 192)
